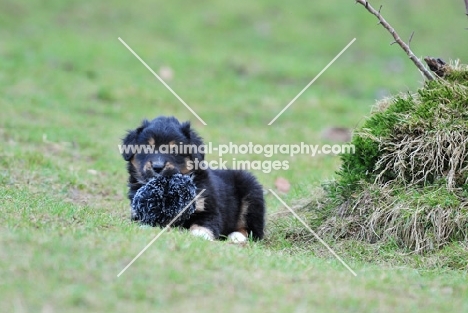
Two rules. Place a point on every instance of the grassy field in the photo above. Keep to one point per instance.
(69, 90)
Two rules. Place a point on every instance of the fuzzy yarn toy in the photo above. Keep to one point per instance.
(159, 201)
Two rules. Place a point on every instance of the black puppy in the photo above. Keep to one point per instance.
(232, 204)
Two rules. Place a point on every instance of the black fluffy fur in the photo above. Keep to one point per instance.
(232, 200)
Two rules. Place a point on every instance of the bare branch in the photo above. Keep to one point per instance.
(397, 38)
(466, 7)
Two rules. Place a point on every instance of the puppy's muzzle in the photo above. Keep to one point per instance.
(157, 166)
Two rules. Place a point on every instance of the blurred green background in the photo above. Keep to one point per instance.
(237, 64)
(69, 90)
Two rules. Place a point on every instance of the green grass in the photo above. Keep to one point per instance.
(69, 90)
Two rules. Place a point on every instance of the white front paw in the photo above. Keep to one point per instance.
(202, 232)
(237, 237)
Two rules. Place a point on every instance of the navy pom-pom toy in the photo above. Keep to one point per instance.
(159, 201)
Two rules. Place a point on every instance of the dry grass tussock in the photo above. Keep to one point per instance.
(419, 158)
(416, 219)
(408, 181)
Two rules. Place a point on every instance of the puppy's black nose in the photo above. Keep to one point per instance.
(157, 166)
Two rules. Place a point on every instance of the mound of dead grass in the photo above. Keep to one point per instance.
(408, 180)
(415, 218)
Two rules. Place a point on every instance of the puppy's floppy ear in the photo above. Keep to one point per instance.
(132, 139)
(194, 138)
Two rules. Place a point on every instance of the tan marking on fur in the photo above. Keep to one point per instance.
(136, 165)
(172, 143)
(148, 167)
(201, 231)
(134, 162)
(200, 204)
(241, 223)
(187, 167)
(151, 141)
(244, 232)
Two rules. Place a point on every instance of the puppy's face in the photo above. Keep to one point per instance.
(163, 146)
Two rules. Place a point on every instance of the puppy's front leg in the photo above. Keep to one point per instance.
(201, 231)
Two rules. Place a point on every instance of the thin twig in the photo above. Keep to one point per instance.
(466, 7)
(397, 38)
(411, 38)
